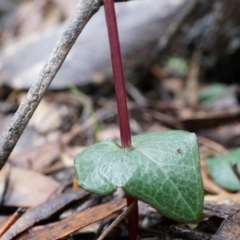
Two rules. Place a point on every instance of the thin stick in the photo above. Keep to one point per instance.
(12, 220)
(117, 221)
(85, 10)
(121, 99)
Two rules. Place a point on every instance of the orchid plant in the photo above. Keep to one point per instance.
(159, 168)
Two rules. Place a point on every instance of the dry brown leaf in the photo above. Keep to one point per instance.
(30, 138)
(26, 188)
(210, 119)
(75, 222)
(110, 131)
(37, 158)
(67, 7)
(47, 117)
(212, 145)
(42, 211)
(3, 220)
(42, 14)
(219, 210)
(223, 198)
(68, 154)
(192, 81)
(229, 228)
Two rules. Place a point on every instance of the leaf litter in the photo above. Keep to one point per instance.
(23, 185)
(50, 142)
(42, 211)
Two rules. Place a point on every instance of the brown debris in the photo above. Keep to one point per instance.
(23, 187)
(67, 121)
(37, 158)
(43, 211)
(76, 221)
(229, 228)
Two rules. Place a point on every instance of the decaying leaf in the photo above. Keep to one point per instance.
(26, 188)
(37, 158)
(43, 211)
(229, 228)
(77, 221)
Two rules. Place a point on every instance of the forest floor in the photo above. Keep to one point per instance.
(39, 196)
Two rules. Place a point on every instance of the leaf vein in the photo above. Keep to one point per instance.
(166, 175)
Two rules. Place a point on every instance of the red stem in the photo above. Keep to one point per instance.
(121, 99)
(118, 73)
(132, 219)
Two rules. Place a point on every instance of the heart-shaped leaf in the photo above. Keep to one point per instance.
(161, 169)
(221, 170)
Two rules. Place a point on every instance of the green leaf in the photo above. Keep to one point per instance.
(161, 169)
(220, 170)
(212, 93)
(176, 64)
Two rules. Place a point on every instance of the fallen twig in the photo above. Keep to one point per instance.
(12, 220)
(9, 138)
(117, 221)
(42, 211)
